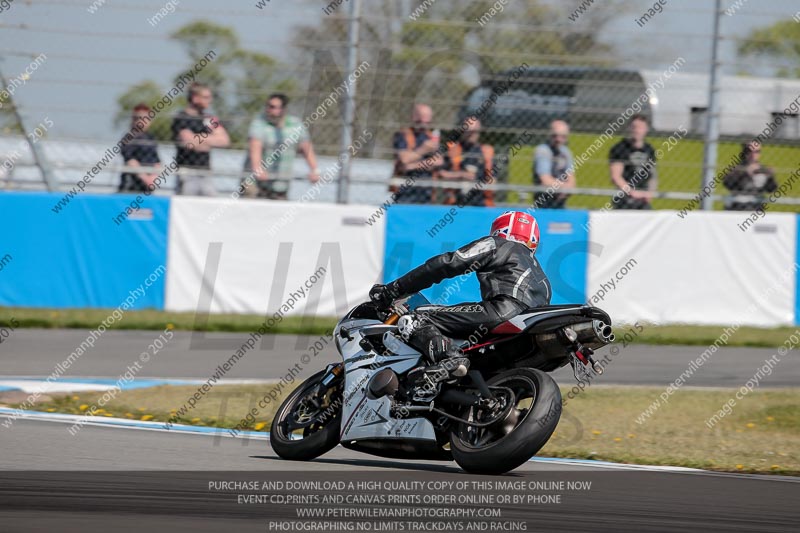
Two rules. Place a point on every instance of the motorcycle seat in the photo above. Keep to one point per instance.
(535, 315)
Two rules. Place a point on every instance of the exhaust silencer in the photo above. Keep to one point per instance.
(603, 331)
(593, 334)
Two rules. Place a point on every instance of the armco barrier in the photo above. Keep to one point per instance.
(415, 233)
(80, 257)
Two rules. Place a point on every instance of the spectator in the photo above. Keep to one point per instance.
(417, 155)
(195, 133)
(553, 168)
(632, 164)
(140, 151)
(750, 179)
(274, 138)
(470, 160)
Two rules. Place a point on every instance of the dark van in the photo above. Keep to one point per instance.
(586, 97)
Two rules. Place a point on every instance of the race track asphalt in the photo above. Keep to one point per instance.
(131, 480)
(34, 352)
(115, 479)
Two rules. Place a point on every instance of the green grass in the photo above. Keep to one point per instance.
(159, 320)
(679, 170)
(706, 335)
(761, 435)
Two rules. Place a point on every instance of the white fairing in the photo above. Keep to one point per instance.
(369, 419)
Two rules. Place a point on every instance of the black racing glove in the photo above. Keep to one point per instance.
(384, 295)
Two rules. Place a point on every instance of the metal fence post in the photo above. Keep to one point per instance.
(38, 154)
(711, 136)
(342, 193)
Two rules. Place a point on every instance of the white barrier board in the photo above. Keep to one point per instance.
(259, 256)
(701, 269)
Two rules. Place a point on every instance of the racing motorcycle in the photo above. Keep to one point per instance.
(490, 420)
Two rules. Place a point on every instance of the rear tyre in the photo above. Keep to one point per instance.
(308, 421)
(506, 445)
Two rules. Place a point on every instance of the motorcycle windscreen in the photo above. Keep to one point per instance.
(415, 300)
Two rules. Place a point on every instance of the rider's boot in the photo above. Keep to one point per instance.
(448, 361)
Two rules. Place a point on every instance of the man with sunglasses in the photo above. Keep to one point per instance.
(140, 151)
(274, 138)
(553, 168)
(417, 155)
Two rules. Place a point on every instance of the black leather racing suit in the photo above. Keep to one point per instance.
(510, 278)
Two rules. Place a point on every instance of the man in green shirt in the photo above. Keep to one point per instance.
(274, 138)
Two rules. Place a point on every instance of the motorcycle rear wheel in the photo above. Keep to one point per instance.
(506, 445)
(316, 426)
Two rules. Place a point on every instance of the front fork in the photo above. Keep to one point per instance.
(332, 372)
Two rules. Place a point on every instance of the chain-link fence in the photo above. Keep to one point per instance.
(523, 79)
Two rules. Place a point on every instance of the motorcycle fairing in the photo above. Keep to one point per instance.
(363, 418)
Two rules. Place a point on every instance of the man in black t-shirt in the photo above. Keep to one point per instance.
(749, 181)
(195, 133)
(632, 164)
(140, 151)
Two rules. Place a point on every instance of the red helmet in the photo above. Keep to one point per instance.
(517, 226)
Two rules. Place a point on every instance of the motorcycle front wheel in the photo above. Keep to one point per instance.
(307, 422)
(505, 445)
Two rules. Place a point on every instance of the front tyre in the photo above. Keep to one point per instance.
(307, 422)
(510, 442)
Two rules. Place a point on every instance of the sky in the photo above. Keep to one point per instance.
(94, 57)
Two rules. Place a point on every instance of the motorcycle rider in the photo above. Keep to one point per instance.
(511, 282)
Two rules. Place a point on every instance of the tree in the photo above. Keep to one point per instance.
(779, 42)
(437, 55)
(8, 121)
(239, 78)
(8, 118)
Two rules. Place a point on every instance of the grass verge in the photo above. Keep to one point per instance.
(158, 320)
(761, 435)
(223, 406)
